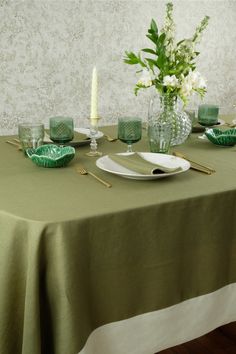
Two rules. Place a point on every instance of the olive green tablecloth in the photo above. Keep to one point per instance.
(75, 255)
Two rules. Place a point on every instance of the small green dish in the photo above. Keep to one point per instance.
(221, 137)
(51, 155)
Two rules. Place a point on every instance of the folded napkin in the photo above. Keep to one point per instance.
(137, 163)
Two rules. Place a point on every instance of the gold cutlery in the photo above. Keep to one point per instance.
(194, 164)
(14, 143)
(200, 169)
(17, 140)
(231, 125)
(83, 171)
(109, 138)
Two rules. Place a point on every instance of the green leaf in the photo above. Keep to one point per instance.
(151, 63)
(161, 60)
(154, 26)
(161, 38)
(133, 59)
(130, 56)
(180, 42)
(172, 72)
(160, 44)
(148, 50)
(152, 38)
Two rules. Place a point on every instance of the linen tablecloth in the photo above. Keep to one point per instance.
(135, 268)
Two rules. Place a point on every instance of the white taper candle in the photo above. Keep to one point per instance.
(94, 98)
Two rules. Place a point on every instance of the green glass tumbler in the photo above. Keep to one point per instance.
(208, 114)
(61, 129)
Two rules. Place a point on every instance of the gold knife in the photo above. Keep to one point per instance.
(200, 169)
(196, 164)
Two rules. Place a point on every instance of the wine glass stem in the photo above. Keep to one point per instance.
(129, 148)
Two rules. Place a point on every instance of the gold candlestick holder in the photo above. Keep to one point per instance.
(93, 134)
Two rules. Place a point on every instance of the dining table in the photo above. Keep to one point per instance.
(132, 269)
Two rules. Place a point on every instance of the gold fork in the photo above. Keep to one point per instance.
(109, 138)
(15, 144)
(83, 171)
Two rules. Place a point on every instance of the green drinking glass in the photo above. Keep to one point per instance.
(61, 129)
(208, 114)
(129, 130)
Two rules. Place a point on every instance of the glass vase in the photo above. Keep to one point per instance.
(168, 108)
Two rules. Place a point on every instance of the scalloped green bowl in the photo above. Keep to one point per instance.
(220, 137)
(51, 155)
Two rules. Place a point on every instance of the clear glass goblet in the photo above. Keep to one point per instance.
(129, 130)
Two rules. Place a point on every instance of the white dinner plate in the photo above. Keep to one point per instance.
(203, 137)
(220, 122)
(75, 142)
(234, 121)
(86, 131)
(108, 165)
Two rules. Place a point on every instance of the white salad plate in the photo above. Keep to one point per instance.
(108, 165)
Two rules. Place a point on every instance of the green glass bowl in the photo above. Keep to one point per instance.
(220, 137)
(51, 155)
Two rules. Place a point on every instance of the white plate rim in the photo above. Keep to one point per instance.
(126, 173)
(219, 124)
(74, 143)
(86, 131)
(221, 121)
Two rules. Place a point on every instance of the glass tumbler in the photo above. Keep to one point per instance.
(30, 135)
(159, 136)
(208, 114)
(61, 129)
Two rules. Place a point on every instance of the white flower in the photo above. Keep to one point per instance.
(202, 83)
(169, 30)
(197, 81)
(197, 35)
(186, 89)
(186, 50)
(170, 80)
(146, 79)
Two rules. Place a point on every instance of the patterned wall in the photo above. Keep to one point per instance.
(49, 48)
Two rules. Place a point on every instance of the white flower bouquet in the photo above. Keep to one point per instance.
(171, 68)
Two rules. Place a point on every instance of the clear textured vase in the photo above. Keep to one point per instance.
(168, 108)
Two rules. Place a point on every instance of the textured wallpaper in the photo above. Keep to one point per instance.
(48, 49)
